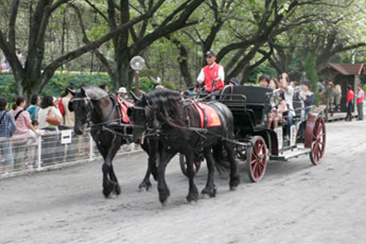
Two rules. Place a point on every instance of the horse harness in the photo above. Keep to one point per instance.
(122, 121)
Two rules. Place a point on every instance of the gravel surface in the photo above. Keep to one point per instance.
(295, 202)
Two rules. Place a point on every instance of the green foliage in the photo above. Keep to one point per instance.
(145, 84)
(260, 70)
(310, 69)
(364, 88)
(57, 84)
(169, 85)
(8, 88)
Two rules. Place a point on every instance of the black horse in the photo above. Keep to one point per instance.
(164, 115)
(93, 105)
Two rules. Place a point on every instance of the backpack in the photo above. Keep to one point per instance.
(61, 107)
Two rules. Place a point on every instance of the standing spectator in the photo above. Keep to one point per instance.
(7, 129)
(69, 119)
(4, 64)
(337, 97)
(49, 142)
(329, 93)
(34, 107)
(349, 104)
(32, 145)
(264, 81)
(359, 101)
(289, 93)
(320, 86)
(24, 124)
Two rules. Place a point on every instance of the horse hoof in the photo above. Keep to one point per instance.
(117, 189)
(106, 193)
(233, 188)
(208, 191)
(145, 185)
(164, 202)
(191, 198)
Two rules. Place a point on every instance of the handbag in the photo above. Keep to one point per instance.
(52, 118)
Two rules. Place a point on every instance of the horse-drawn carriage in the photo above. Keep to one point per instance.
(256, 143)
(166, 124)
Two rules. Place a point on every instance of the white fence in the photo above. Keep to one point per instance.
(51, 150)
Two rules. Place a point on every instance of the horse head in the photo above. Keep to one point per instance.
(81, 105)
(141, 118)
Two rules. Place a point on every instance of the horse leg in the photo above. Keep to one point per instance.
(150, 148)
(210, 188)
(110, 183)
(146, 181)
(193, 192)
(163, 189)
(234, 173)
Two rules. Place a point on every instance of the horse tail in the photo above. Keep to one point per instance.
(222, 163)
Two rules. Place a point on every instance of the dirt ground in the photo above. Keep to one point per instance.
(295, 202)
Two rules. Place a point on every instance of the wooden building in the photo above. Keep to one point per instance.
(344, 75)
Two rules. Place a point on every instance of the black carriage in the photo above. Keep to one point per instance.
(256, 143)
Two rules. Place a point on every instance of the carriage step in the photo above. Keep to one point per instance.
(291, 154)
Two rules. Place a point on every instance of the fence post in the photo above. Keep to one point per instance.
(39, 160)
(91, 154)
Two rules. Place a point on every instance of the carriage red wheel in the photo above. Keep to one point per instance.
(183, 164)
(318, 141)
(257, 155)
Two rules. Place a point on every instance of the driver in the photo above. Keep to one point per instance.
(212, 75)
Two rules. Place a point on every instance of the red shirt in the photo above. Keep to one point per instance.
(211, 74)
(350, 96)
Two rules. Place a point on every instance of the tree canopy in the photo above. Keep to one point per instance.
(249, 36)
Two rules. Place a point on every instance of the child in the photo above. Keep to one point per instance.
(32, 146)
(277, 111)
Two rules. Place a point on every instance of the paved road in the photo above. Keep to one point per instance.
(294, 203)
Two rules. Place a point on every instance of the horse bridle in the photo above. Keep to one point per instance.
(149, 131)
(90, 106)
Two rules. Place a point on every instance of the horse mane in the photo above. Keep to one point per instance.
(168, 106)
(95, 93)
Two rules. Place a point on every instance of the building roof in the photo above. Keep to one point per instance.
(345, 69)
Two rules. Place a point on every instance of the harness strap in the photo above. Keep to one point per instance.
(202, 114)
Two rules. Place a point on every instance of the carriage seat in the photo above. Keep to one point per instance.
(253, 99)
(250, 95)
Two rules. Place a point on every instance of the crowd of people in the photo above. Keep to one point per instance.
(20, 128)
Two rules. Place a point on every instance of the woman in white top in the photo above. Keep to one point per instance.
(48, 107)
(49, 141)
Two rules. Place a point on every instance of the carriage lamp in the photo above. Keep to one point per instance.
(137, 63)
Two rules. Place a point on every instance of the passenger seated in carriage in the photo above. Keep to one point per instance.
(307, 97)
(229, 87)
(276, 114)
(264, 81)
(289, 93)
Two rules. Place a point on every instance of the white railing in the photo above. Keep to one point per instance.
(19, 155)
